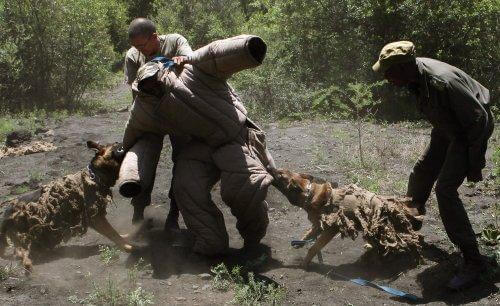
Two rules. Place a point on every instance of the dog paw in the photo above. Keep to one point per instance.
(126, 236)
(128, 248)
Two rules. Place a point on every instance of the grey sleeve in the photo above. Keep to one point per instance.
(182, 46)
(132, 132)
(130, 69)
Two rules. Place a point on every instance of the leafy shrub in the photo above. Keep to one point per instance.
(52, 51)
(247, 290)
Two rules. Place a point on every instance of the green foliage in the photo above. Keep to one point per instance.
(108, 255)
(313, 43)
(491, 235)
(140, 8)
(117, 25)
(32, 120)
(140, 297)
(20, 189)
(133, 273)
(52, 52)
(200, 22)
(356, 101)
(7, 271)
(247, 290)
(496, 163)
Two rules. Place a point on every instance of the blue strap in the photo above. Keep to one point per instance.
(167, 63)
(359, 281)
(301, 242)
(363, 282)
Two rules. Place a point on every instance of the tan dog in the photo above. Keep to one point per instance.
(384, 221)
(64, 208)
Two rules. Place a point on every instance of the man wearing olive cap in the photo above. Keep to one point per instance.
(457, 106)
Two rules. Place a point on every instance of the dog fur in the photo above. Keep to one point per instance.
(330, 214)
(64, 208)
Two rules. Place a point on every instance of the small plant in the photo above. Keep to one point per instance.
(108, 255)
(247, 291)
(73, 299)
(7, 271)
(491, 233)
(35, 177)
(355, 102)
(320, 157)
(110, 294)
(496, 166)
(133, 273)
(253, 292)
(222, 277)
(140, 297)
(20, 189)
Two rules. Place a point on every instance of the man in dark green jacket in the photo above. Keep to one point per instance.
(457, 106)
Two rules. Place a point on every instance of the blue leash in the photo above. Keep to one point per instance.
(359, 281)
(167, 63)
(364, 282)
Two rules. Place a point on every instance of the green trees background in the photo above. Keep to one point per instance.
(53, 51)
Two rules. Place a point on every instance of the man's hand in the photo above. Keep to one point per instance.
(474, 175)
(180, 60)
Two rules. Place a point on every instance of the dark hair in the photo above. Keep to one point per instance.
(141, 27)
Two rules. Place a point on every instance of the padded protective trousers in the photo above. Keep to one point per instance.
(244, 181)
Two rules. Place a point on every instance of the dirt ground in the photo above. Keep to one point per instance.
(325, 149)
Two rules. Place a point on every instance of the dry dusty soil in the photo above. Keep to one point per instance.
(71, 273)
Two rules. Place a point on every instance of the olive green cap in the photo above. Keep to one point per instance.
(397, 52)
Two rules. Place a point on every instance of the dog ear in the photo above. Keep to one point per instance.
(95, 146)
(307, 176)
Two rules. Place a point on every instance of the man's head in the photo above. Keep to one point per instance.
(142, 35)
(397, 63)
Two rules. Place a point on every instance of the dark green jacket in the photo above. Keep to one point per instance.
(456, 105)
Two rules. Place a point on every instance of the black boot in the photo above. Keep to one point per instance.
(172, 221)
(468, 276)
(138, 214)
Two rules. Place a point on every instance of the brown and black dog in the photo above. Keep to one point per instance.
(314, 195)
(309, 193)
(64, 208)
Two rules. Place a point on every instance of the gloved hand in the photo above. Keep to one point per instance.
(474, 175)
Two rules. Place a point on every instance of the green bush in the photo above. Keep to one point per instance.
(325, 45)
(201, 22)
(53, 51)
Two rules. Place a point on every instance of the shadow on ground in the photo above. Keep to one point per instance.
(433, 280)
(169, 253)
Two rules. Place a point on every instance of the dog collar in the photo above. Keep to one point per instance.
(309, 194)
(92, 174)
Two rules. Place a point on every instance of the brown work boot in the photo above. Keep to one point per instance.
(468, 276)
